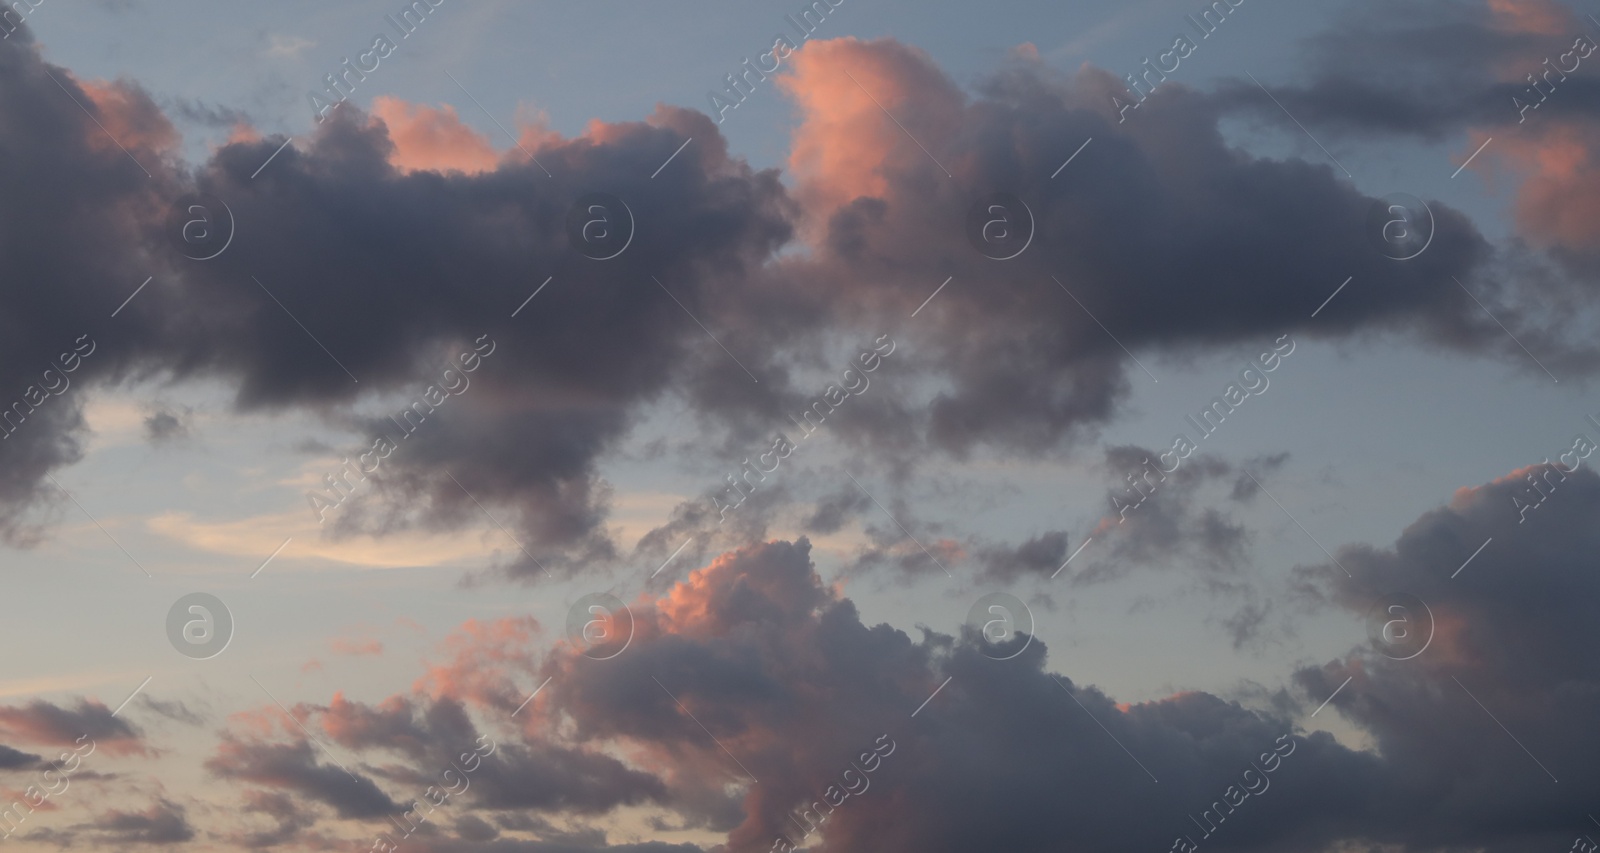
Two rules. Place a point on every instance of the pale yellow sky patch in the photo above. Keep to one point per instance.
(636, 513)
(113, 421)
(255, 537)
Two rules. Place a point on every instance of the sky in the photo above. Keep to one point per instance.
(872, 425)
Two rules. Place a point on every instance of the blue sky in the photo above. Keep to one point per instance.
(1403, 405)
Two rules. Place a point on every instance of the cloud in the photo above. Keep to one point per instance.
(164, 822)
(1491, 71)
(429, 138)
(16, 759)
(429, 262)
(47, 723)
(174, 710)
(1510, 632)
(1172, 520)
(166, 424)
(1022, 366)
(333, 207)
(751, 685)
(296, 768)
(1039, 556)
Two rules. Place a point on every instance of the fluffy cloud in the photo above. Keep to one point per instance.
(1512, 633)
(395, 259)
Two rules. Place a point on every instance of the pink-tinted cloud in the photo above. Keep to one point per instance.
(845, 146)
(355, 647)
(131, 118)
(41, 722)
(432, 138)
(1558, 200)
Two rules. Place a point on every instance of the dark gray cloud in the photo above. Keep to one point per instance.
(786, 677)
(166, 424)
(831, 513)
(42, 722)
(1513, 632)
(164, 822)
(790, 686)
(1171, 238)
(16, 759)
(1173, 520)
(289, 816)
(1461, 65)
(396, 274)
(297, 767)
(1037, 557)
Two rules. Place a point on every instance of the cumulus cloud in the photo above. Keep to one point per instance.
(1509, 632)
(402, 237)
